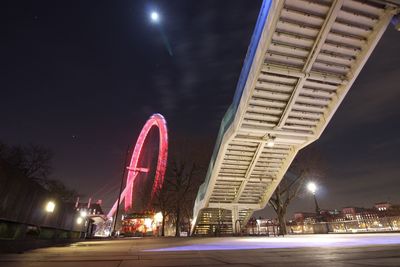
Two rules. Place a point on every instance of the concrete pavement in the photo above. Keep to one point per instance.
(305, 250)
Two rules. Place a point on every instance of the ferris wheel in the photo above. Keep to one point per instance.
(137, 166)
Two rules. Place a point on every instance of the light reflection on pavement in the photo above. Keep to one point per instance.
(328, 240)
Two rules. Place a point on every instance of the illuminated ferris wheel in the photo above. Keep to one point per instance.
(137, 165)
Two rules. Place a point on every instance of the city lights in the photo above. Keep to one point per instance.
(148, 222)
(261, 170)
(50, 206)
(158, 217)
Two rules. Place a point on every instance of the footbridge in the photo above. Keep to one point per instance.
(303, 58)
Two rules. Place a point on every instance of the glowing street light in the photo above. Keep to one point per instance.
(79, 220)
(155, 17)
(312, 187)
(83, 213)
(50, 206)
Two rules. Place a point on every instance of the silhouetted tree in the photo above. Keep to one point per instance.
(34, 161)
(186, 170)
(307, 165)
(162, 202)
(60, 190)
(182, 174)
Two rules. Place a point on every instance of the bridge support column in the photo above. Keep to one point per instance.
(235, 218)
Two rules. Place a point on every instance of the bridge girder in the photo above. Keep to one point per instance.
(303, 58)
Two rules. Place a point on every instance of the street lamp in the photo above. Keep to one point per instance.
(83, 213)
(50, 206)
(312, 187)
(83, 222)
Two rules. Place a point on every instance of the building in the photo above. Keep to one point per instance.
(305, 217)
(356, 213)
(92, 218)
(90, 208)
(382, 206)
(383, 216)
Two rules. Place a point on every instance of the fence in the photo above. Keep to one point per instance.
(383, 224)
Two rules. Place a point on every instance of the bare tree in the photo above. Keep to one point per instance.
(181, 174)
(185, 172)
(33, 161)
(60, 190)
(162, 201)
(307, 165)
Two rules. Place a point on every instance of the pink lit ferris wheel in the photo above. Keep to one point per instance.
(135, 168)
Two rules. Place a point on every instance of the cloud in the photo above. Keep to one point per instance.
(165, 95)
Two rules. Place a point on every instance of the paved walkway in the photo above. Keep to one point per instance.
(312, 250)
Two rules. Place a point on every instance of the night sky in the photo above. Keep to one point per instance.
(82, 77)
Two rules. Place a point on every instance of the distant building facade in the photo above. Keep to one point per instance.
(383, 216)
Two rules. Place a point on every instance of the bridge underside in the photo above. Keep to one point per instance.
(303, 58)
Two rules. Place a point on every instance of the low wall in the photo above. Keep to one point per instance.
(23, 218)
(17, 237)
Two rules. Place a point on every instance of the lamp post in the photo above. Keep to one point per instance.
(119, 195)
(312, 187)
(83, 222)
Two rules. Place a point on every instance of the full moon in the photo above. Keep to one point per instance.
(154, 16)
